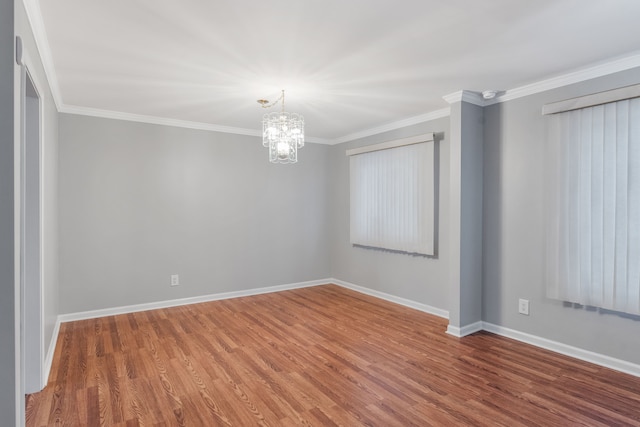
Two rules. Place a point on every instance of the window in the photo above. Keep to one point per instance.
(392, 195)
(593, 245)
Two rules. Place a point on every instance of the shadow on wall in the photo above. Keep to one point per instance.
(601, 311)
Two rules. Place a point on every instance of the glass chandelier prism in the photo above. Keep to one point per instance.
(283, 133)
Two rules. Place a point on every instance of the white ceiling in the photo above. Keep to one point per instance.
(347, 65)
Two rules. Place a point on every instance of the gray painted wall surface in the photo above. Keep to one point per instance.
(139, 202)
(49, 159)
(424, 280)
(513, 230)
(7, 289)
(465, 214)
(454, 209)
(471, 215)
(132, 214)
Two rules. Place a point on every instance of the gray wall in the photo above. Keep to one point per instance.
(49, 163)
(139, 202)
(471, 214)
(465, 214)
(7, 289)
(513, 230)
(421, 279)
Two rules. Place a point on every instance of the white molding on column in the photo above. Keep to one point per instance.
(464, 330)
(466, 96)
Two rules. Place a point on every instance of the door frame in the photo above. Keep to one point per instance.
(31, 221)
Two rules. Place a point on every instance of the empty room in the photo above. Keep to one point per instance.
(361, 213)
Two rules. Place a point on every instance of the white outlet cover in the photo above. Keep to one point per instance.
(523, 306)
(175, 280)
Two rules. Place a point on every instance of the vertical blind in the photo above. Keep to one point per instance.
(593, 245)
(392, 198)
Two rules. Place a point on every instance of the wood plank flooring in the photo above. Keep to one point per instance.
(322, 356)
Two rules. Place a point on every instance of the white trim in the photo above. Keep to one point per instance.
(617, 65)
(141, 118)
(84, 315)
(392, 298)
(34, 15)
(70, 317)
(50, 352)
(592, 72)
(557, 347)
(463, 331)
(454, 330)
(417, 139)
(466, 96)
(26, 72)
(567, 350)
(19, 403)
(438, 114)
(614, 66)
(599, 98)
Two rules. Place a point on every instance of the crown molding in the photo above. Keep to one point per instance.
(36, 22)
(466, 96)
(445, 112)
(475, 98)
(141, 118)
(34, 16)
(581, 75)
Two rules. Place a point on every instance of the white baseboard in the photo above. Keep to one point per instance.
(48, 361)
(84, 315)
(464, 330)
(567, 350)
(392, 298)
(578, 353)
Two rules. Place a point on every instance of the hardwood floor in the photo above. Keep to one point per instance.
(321, 356)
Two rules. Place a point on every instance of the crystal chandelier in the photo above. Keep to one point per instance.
(282, 132)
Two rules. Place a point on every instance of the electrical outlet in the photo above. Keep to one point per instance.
(523, 306)
(175, 280)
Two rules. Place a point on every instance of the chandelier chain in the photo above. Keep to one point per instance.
(265, 105)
